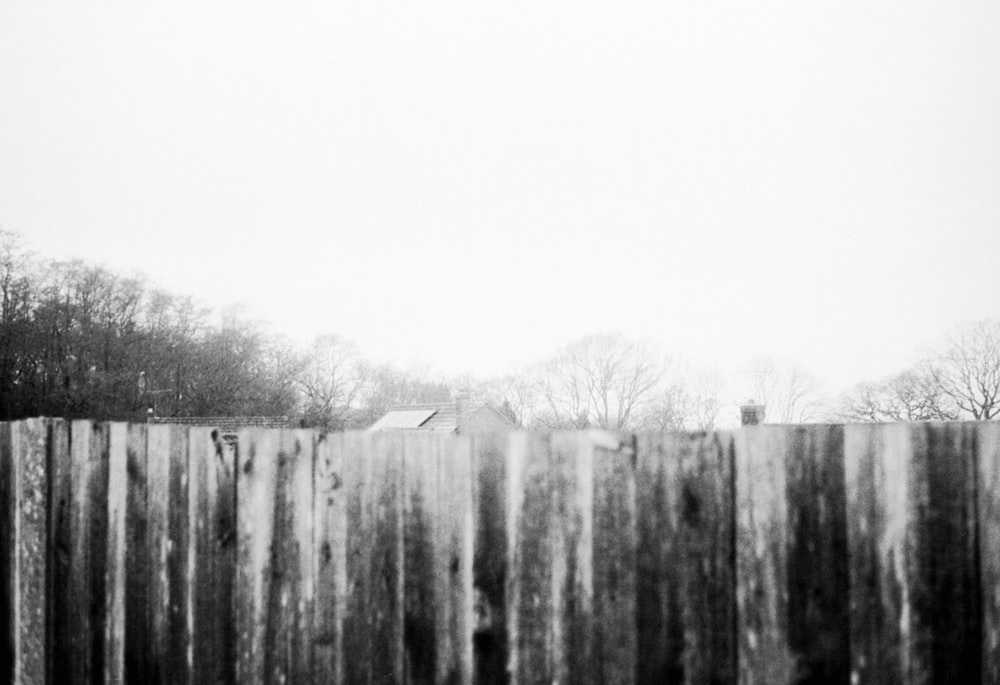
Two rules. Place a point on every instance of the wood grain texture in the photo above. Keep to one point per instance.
(686, 584)
(374, 617)
(438, 536)
(8, 558)
(211, 557)
(257, 470)
(818, 615)
(490, 640)
(911, 514)
(530, 601)
(115, 544)
(614, 652)
(138, 639)
(330, 559)
(762, 557)
(988, 490)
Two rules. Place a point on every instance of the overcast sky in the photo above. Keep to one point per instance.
(472, 186)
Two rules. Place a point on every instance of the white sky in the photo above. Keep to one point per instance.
(472, 186)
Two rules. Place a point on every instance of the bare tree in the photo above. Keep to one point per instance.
(789, 393)
(604, 380)
(331, 381)
(968, 370)
(913, 395)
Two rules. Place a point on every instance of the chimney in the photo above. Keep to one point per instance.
(461, 406)
(751, 413)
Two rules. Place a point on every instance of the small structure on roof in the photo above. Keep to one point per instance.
(459, 416)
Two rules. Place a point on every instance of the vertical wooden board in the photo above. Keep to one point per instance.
(529, 593)
(491, 653)
(946, 599)
(761, 557)
(61, 549)
(686, 585)
(422, 599)
(288, 641)
(30, 486)
(210, 548)
(659, 617)
(358, 470)
(8, 558)
(137, 560)
(454, 533)
(330, 559)
(158, 505)
(373, 622)
(614, 653)
(116, 541)
(80, 580)
(257, 470)
(818, 617)
(877, 465)
(988, 458)
(224, 571)
(571, 501)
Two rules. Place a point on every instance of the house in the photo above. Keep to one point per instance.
(459, 416)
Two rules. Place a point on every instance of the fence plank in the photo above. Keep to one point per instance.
(686, 586)
(491, 652)
(614, 653)
(257, 470)
(818, 617)
(988, 490)
(211, 557)
(373, 621)
(911, 513)
(423, 602)
(762, 556)
(290, 599)
(80, 479)
(115, 577)
(530, 602)
(330, 559)
(8, 557)
(571, 553)
(456, 536)
(138, 641)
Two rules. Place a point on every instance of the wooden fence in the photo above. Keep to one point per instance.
(805, 554)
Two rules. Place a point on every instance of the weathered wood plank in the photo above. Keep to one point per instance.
(686, 585)
(614, 654)
(8, 558)
(115, 577)
(80, 483)
(818, 616)
(913, 558)
(138, 643)
(373, 622)
(491, 652)
(211, 557)
(438, 533)
(167, 511)
(422, 598)
(571, 537)
(762, 556)
(455, 535)
(257, 470)
(529, 592)
(988, 491)
(330, 559)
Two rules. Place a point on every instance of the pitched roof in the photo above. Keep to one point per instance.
(436, 416)
(225, 424)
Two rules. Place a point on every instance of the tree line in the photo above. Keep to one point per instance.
(78, 340)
